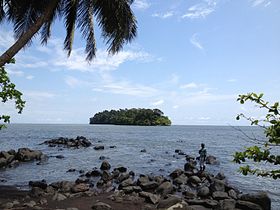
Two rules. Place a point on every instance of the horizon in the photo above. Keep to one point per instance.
(190, 59)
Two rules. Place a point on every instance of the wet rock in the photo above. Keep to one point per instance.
(80, 141)
(217, 185)
(151, 185)
(131, 173)
(131, 189)
(102, 158)
(218, 195)
(212, 160)
(8, 205)
(189, 166)
(176, 173)
(220, 176)
(260, 198)
(122, 176)
(182, 179)
(41, 184)
(71, 170)
(106, 176)
(165, 188)
(194, 180)
(26, 154)
(143, 150)
(203, 191)
(246, 205)
(59, 156)
(121, 169)
(99, 147)
(232, 194)
(82, 187)
(112, 147)
(126, 183)
(150, 197)
(82, 180)
(227, 204)
(101, 206)
(94, 173)
(30, 204)
(105, 165)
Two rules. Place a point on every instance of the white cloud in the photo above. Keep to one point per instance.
(141, 4)
(195, 42)
(164, 15)
(189, 85)
(175, 107)
(29, 77)
(201, 10)
(38, 94)
(157, 103)
(264, 3)
(204, 118)
(15, 72)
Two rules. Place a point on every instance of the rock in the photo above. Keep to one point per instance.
(150, 197)
(59, 156)
(220, 176)
(71, 170)
(211, 204)
(168, 202)
(37, 192)
(99, 147)
(176, 173)
(131, 189)
(8, 205)
(123, 176)
(218, 195)
(106, 176)
(121, 169)
(30, 204)
(41, 184)
(194, 180)
(189, 166)
(165, 188)
(232, 194)
(246, 205)
(197, 207)
(203, 191)
(227, 204)
(131, 173)
(112, 147)
(26, 154)
(101, 206)
(43, 201)
(72, 209)
(182, 179)
(189, 158)
(126, 183)
(217, 185)
(94, 173)
(159, 179)
(151, 185)
(63, 186)
(58, 197)
(102, 158)
(178, 150)
(143, 150)
(260, 198)
(212, 160)
(143, 179)
(80, 141)
(79, 188)
(105, 165)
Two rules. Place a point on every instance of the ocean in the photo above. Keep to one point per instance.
(159, 159)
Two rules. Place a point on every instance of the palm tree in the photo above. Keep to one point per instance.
(114, 17)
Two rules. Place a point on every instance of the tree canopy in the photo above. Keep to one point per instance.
(263, 153)
(145, 117)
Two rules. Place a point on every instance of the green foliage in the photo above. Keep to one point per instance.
(271, 126)
(8, 92)
(145, 117)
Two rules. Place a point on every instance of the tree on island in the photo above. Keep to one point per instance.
(264, 152)
(115, 18)
(145, 117)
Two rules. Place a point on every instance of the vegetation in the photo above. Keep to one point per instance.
(263, 153)
(8, 92)
(147, 117)
(114, 17)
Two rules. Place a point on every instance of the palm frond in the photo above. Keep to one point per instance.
(2, 12)
(70, 13)
(117, 22)
(86, 25)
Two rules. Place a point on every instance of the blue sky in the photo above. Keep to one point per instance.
(191, 59)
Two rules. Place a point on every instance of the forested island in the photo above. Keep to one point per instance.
(145, 117)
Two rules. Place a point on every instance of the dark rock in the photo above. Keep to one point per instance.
(218, 195)
(151, 185)
(82, 187)
(131, 189)
(227, 204)
(79, 181)
(80, 141)
(194, 180)
(178, 150)
(102, 158)
(212, 160)
(98, 147)
(106, 176)
(105, 165)
(165, 188)
(26, 154)
(153, 198)
(232, 194)
(122, 176)
(246, 205)
(112, 147)
(189, 166)
(131, 173)
(182, 179)
(126, 183)
(71, 170)
(203, 191)
(59, 156)
(168, 202)
(176, 173)
(217, 185)
(41, 184)
(143, 150)
(220, 176)
(121, 169)
(260, 198)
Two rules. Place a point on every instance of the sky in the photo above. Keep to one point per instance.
(191, 59)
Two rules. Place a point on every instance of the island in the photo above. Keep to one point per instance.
(140, 116)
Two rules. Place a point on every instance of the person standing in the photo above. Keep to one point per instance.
(202, 157)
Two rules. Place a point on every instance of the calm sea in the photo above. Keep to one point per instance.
(159, 142)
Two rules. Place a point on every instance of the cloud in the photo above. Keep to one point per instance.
(164, 15)
(15, 72)
(6, 39)
(264, 3)
(204, 118)
(74, 82)
(231, 80)
(141, 4)
(201, 10)
(39, 94)
(195, 42)
(29, 77)
(189, 85)
(157, 103)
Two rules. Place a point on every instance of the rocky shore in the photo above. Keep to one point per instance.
(105, 188)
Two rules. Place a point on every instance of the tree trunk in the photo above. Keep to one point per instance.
(22, 41)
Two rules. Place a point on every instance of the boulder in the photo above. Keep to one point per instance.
(106, 176)
(232, 194)
(217, 185)
(58, 197)
(122, 176)
(165, 188)
(121, 169)
(194, 180)
(150, 197)
(246, 205)
(101, 206)
(260, 198)
(189, 166)
(227, 204)
(203, 191)
(182, 179)
(220, 176)
(41, 184)
(176, 173)
(218, 195)
(82, 187)
(212, 160)
(168, 202)
(105, 165)
(3, 162)
(26, 154)
(131, 189)
(99, 147)
(126, 183)
(151, 185)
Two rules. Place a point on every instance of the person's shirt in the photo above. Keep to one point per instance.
(202, 152)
